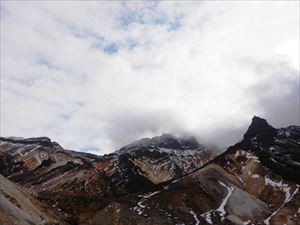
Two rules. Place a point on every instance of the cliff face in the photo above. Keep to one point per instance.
(162, 180)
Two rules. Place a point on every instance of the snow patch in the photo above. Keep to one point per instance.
(282, 186)
(140, 205)
(248, 155)
(221, 208)
(289, 197)
(195, 216)
(207, 216)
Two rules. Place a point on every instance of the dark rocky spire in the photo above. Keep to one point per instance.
(260, 128)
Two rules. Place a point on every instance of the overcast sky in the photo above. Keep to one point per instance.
(94, 76)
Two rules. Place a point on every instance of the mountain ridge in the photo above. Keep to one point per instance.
(160, 180)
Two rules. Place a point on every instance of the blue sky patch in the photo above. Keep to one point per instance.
(149, 15)
(131, 44)
(111, 48)
(176, 23)
(131, 17)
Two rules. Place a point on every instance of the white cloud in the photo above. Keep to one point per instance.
(99, 75)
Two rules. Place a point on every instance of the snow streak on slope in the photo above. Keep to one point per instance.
(289, 198)
(195, 216)
(221, 208)
(140, 208)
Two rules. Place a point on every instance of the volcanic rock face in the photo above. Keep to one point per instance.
(278, 149)
(162, 180)
(166, 157)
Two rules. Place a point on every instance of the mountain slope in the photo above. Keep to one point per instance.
(164, 180)
(18, 207)
(75, 184)
(240, 186)
(166, 157)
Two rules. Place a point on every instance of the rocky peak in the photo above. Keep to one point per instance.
(277, 149)
(166, 141)
(159, 159)
(260, 129)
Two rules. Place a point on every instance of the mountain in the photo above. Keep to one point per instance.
(165, 157)
(159, 180)
(72, 183)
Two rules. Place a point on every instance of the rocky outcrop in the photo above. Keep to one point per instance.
(277, 149)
